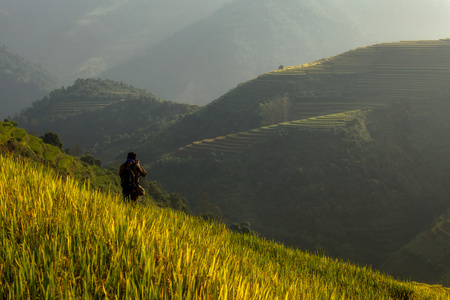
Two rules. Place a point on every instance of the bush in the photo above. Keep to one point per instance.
(90, 160)
(243, 227)
(52, 139)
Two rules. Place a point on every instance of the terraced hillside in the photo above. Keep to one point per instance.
(235, 143)
(86, 95)
(364, 78)
(102, 117)
(369, 77)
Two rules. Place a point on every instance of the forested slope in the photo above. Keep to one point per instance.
(104, 117)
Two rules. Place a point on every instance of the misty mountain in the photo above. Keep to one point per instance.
(83, 38)
(247, 37)
(21, 82)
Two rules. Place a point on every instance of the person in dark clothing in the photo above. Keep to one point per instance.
(129, 172)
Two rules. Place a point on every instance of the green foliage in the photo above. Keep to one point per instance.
(51, 153)
(90, 160)
(275, 111)
(16, 140)
(64, 163)
(52, 139)
(164, 199)
(243, 227)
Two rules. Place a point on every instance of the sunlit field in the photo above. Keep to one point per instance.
(62, 240)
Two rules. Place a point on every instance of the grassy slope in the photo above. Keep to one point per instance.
(16, 140)
(62, 240)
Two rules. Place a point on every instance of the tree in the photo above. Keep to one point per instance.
(90, 160)
(52, 139)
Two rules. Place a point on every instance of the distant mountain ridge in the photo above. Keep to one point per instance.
(83, 38)
(21, 82)
(246, 38)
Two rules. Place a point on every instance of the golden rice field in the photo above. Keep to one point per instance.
(60, 240)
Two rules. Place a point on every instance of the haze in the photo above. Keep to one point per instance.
(194, 52)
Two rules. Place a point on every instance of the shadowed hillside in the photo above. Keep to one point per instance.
(356, 162)
(426, 256)
(367, 77)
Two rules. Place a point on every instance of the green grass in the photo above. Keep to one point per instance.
(65, 162)
(17, 141)
(51, 153)
(60, 240)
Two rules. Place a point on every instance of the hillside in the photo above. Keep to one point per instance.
(103, 117)
(428, 252)
(61, 240)
(356, 162)
(367, 77)
(15, 142)
(246, 38)
(21, 82)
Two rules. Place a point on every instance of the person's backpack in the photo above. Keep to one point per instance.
(128, 178)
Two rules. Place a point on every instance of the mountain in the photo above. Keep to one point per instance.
(21, 82)
(57, 235)
(349, 153)
(104, 117)
(84, 38)
(247, 37)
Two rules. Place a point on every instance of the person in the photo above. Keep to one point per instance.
(129, 173)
